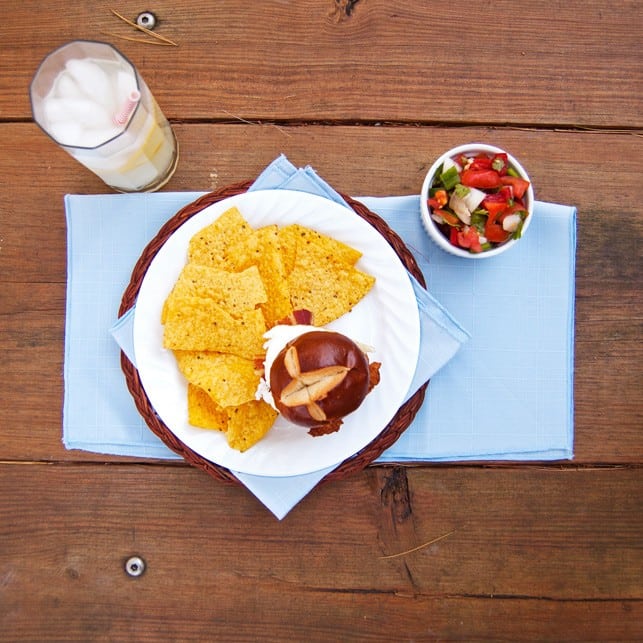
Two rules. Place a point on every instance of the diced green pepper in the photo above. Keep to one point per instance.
(478, 219)
(450, 178)
(461, 190)
(518, 231)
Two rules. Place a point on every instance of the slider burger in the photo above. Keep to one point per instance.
(317, 377)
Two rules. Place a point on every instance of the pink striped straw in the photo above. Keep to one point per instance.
(126, 111)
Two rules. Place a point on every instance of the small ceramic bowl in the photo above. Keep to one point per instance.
(435, 231)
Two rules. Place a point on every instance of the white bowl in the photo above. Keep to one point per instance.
(431, 226)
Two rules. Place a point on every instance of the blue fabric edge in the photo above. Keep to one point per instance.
(67, 201)
(572, 330)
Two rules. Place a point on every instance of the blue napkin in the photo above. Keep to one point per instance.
(505, 395)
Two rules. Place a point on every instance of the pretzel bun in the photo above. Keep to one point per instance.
(320, 377)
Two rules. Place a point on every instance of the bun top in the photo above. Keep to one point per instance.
(318, 378)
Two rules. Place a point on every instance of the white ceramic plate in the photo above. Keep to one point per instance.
(386, 319)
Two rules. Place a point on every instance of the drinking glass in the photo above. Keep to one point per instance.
(90, 99)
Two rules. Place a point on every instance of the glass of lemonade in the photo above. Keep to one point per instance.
(90, 99)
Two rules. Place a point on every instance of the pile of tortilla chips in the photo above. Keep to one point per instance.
(239, 282)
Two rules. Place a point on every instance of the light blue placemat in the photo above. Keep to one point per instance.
(507, 393)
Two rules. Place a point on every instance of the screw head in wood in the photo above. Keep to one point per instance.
(134, 566)
(146, 19)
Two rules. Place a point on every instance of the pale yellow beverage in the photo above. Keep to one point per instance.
(91, 101)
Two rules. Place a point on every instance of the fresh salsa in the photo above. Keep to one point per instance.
(478, 201)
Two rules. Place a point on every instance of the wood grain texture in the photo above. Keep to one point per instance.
(383, 160)
(531, 553)
(545, 63)
(369, 98)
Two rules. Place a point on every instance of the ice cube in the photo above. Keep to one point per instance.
(94, 137)
(66, 133)
(55, 110)
(125, 84)
(66, 87)
(88, 113)
(93, 81)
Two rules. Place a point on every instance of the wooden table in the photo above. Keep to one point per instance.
(369, 93)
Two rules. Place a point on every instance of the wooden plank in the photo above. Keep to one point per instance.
(512, 552)
(546, 63)
(532, 555)
(383, 160)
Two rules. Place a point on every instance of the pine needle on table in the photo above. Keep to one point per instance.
(149, 32)
(141, 40)
(410, 551)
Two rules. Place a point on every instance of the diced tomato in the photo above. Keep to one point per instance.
(453, 236)
(494, 231)
(497, 202)
(494, 207)
(481, 179)
(517, 206)
(480, 162)
(519, 185)
(470, 239)
(500, 163)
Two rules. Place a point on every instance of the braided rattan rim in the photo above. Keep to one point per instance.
(355, 463)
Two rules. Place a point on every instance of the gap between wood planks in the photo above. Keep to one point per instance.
(467, 596)
(231, 119)
(295, 123)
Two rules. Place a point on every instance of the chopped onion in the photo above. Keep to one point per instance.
(458, 205)
(449, 163)
(511, 222)
(474, 198)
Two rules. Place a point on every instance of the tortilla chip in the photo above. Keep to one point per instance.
(327, 291)
(209, 246)
(236, 292)
(246, 252)
(229, 380)
(203, 412)
(200, 324)
(263, 251)
(248, 423)
(287, 238)
(310, 241)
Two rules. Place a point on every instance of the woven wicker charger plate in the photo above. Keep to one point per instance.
(351, 465)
